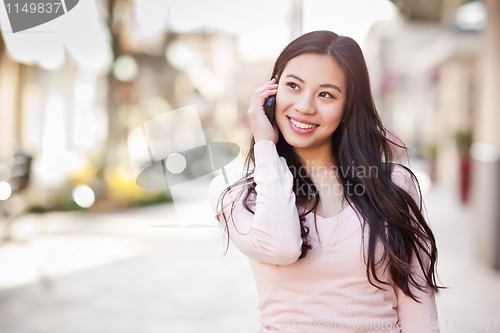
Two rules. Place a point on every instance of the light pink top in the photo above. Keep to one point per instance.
(328, 290)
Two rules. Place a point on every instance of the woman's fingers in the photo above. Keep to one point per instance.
(271, 85)
(261, 93)
(262, 128)
(269, 92)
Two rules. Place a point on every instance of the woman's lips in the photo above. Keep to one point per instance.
(301, 127)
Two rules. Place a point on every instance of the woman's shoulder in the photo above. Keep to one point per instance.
(403, 177)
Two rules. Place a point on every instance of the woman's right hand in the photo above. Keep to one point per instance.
(262, 128)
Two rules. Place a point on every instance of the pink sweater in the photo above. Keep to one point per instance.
(327, 291)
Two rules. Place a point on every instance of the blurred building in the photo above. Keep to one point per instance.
(436, 74)
(74, 121)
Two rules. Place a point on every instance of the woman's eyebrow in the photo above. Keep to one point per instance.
(295, 77)
(324, 85)
(331, 85)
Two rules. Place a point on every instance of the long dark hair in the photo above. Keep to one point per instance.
(359, 143)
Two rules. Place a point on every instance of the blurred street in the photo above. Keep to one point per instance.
(129, 272)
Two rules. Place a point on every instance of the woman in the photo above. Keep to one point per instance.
(331, 225)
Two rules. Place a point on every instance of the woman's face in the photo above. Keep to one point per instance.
(310, 100)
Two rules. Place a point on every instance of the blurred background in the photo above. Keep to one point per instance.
(84, 249)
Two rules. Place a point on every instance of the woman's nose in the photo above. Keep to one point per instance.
(305, 105)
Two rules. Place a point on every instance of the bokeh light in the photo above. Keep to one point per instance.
(125, 68)
(83, 196)
(5, 190)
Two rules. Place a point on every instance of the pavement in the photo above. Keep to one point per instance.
(139, 270)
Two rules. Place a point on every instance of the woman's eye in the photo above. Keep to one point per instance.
(325, 94)
(293, 85)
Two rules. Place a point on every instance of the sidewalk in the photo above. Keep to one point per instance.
(127, 272)
(123, 272)
(472, 302)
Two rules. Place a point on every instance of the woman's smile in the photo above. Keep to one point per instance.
(302, 126)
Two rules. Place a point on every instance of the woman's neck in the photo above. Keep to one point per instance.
(321, 168)
(317, 161)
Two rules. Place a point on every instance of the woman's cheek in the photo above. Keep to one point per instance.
(281, 99)
(280, 117)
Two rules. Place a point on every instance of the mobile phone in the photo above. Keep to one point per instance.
(269, 106)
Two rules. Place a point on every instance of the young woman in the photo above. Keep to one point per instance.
(331, 225)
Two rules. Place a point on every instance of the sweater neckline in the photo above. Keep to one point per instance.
(333, 216)
(327, 218)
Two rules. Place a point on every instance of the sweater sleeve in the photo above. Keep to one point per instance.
(272, 233)
(415, 317)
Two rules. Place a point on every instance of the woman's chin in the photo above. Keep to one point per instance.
(298, 143)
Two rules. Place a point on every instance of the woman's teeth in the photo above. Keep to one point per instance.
(302, 125)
